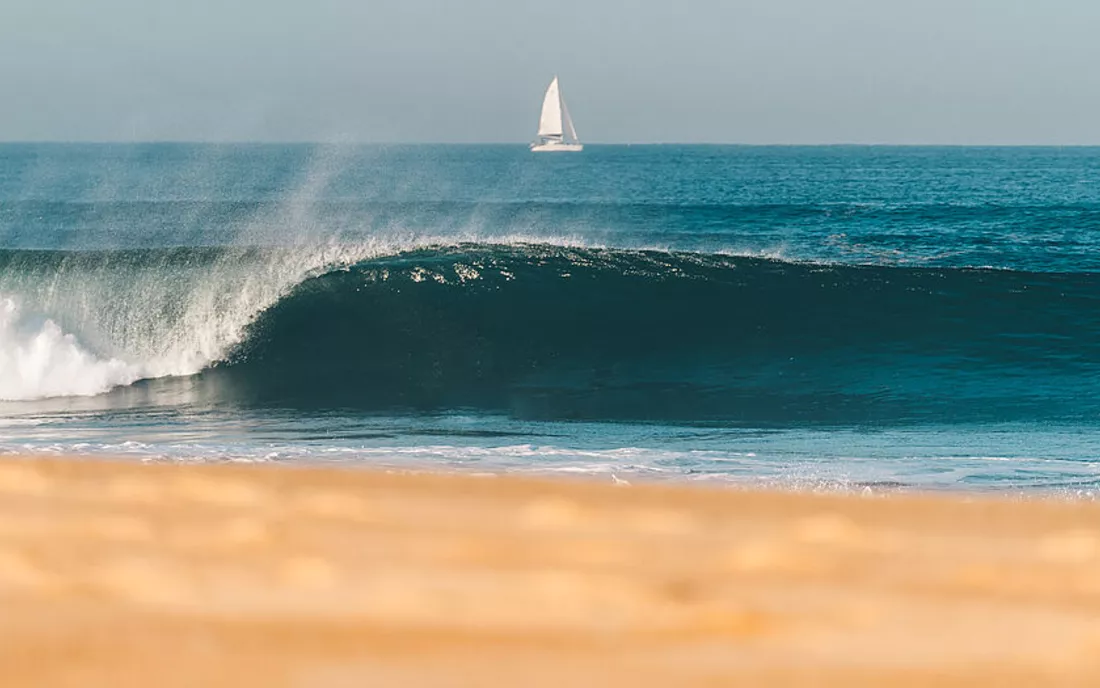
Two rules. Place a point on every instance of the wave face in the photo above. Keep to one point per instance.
(544, 331)
(550, 332)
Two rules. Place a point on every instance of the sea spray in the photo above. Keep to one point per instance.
(165, 312)
(109, 317)
(123, 294)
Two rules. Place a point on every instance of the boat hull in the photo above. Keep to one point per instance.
(556, 147)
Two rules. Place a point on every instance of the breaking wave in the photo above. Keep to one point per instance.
(553, 331)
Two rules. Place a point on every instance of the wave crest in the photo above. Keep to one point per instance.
(572, 332)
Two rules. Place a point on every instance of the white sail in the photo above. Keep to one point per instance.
(570, 130)
(550, 122)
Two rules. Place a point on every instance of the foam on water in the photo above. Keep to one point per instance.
(38, 359)
(1063, 478)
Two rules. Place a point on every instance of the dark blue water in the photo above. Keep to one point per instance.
(833, 317)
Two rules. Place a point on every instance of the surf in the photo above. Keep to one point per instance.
(556, 331)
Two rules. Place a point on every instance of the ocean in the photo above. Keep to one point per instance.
(824, 318)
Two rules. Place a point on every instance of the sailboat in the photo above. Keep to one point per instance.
(556, 130)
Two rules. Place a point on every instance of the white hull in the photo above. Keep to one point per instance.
(556, 147)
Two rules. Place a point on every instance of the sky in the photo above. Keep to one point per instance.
(468, 71)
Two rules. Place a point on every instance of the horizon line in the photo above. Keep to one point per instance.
(290, 142)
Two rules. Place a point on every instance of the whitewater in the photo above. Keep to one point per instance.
(81, 324)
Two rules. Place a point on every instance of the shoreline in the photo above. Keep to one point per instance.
(129, 573)
(823, 486)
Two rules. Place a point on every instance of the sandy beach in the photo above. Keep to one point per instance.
(123, 574)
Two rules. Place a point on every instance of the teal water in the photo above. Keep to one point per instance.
(834, 317)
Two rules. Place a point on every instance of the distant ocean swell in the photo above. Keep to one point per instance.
(1019, 236)
(554, 332)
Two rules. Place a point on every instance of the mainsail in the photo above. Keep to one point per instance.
(550, 122)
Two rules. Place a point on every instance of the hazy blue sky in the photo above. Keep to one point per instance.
(753, 71)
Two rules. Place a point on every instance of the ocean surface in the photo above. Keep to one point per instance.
(848, 318)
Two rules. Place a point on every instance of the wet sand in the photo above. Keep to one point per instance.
(121, 574)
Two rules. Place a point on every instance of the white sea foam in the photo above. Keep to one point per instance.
(38, 359)
(812, 469)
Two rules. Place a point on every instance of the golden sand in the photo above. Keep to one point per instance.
(121, 574)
